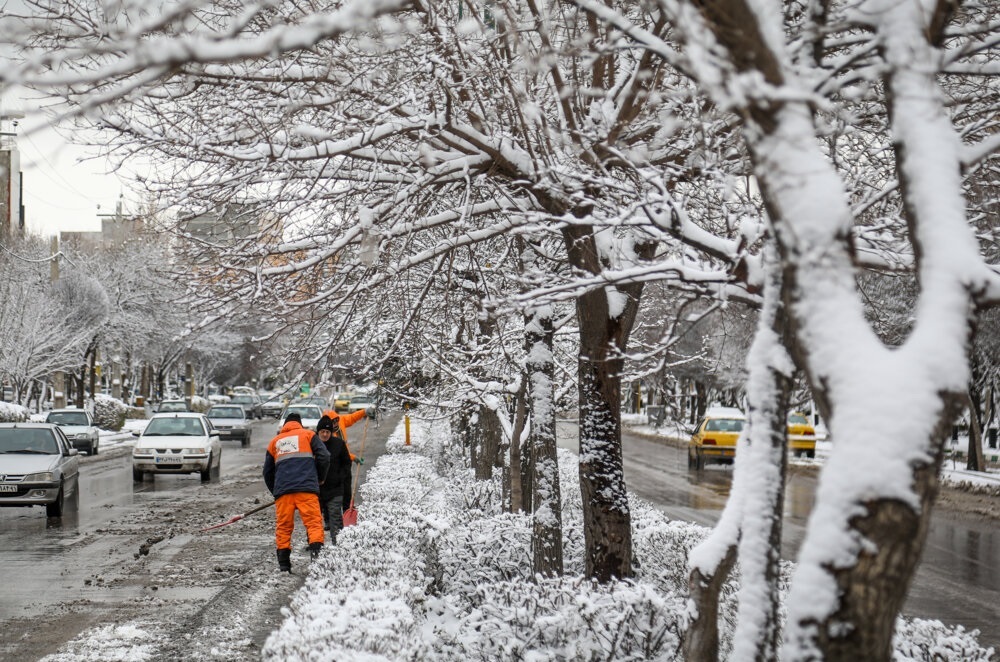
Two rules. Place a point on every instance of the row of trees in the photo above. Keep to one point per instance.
(479, 198)
(113, 312)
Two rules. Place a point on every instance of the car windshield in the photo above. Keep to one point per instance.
(305, 412)
(242, 399)
(225, 412)
(173, 406)
(798, 419)
(343, 396)
(360, 400)
(723, 425)
(67, 418)
(180, 427)
(28, 441)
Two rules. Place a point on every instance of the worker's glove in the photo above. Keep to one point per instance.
(359, 460)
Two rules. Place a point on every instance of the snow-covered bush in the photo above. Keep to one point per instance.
(135, 413)
(109, 413)
(11, 413)
(917, 640)
(200, 404)
(562, 618)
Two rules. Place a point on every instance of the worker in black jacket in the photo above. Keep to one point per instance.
(331, 491)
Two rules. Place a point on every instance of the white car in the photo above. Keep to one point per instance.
(177, 443)
(78, 425)
(310, 415)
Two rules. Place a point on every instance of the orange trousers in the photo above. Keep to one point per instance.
(308, 506)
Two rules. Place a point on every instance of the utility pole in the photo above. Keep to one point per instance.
(59, 377)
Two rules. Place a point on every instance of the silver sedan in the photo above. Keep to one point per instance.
(38, 466)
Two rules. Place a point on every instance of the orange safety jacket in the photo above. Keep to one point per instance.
(345, 421)
(294, 461)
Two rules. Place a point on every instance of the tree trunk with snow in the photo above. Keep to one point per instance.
(486, 440)
(604, 329)
(750, 526)
(546, 538)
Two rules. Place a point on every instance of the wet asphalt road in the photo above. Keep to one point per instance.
(957, 581)
(45, 562)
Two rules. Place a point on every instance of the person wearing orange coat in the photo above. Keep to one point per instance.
(293, 466)
(344, 421)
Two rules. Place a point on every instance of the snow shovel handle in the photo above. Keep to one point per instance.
(237, 518)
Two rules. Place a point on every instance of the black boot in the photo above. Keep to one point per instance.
(314, 549)
(285, 560)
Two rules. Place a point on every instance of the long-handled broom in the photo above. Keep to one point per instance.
(351, 513)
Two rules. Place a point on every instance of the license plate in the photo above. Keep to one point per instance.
(168, 460)
(8, 488)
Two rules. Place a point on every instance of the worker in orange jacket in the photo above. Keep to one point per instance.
(293, 466)
(344, 421)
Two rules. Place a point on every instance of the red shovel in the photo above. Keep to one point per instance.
(351, 515)
(237, 518)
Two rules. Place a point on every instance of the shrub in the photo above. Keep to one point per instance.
(11, 413)
(135, 412)
(200, 404)
(109, 413)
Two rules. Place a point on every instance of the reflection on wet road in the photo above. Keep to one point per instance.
(957, 581)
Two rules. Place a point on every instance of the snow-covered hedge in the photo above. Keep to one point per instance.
(434, 570)
(109, 413)
(200, 404)
(11, 413)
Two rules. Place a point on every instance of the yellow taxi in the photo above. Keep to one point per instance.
(342, 403)
(714, 440)
(801, 435)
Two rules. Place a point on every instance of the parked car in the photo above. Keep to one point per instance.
(177, 443)
(365, 402)
(78, 426)
(342, 402)
(172, 406)
(310, 415)
(250, 402)
(272, 403)
(231, 421)
(801, 435)
(714, 440)
(38, 466)
(317, 400)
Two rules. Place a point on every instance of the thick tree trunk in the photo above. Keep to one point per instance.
(607, 521)
(486, 444)
(546, 539)
(604, 332)
(515, 480)
(874, 589)
(701, 641)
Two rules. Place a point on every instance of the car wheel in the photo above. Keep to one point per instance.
(245, 441)
(94, 448)
(55, 509)
(206, 474)
(811, 453)
(136, 475)
(691, 462)
(699, 461)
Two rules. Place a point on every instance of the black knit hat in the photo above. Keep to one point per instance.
(294, 416)
(325, 423)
